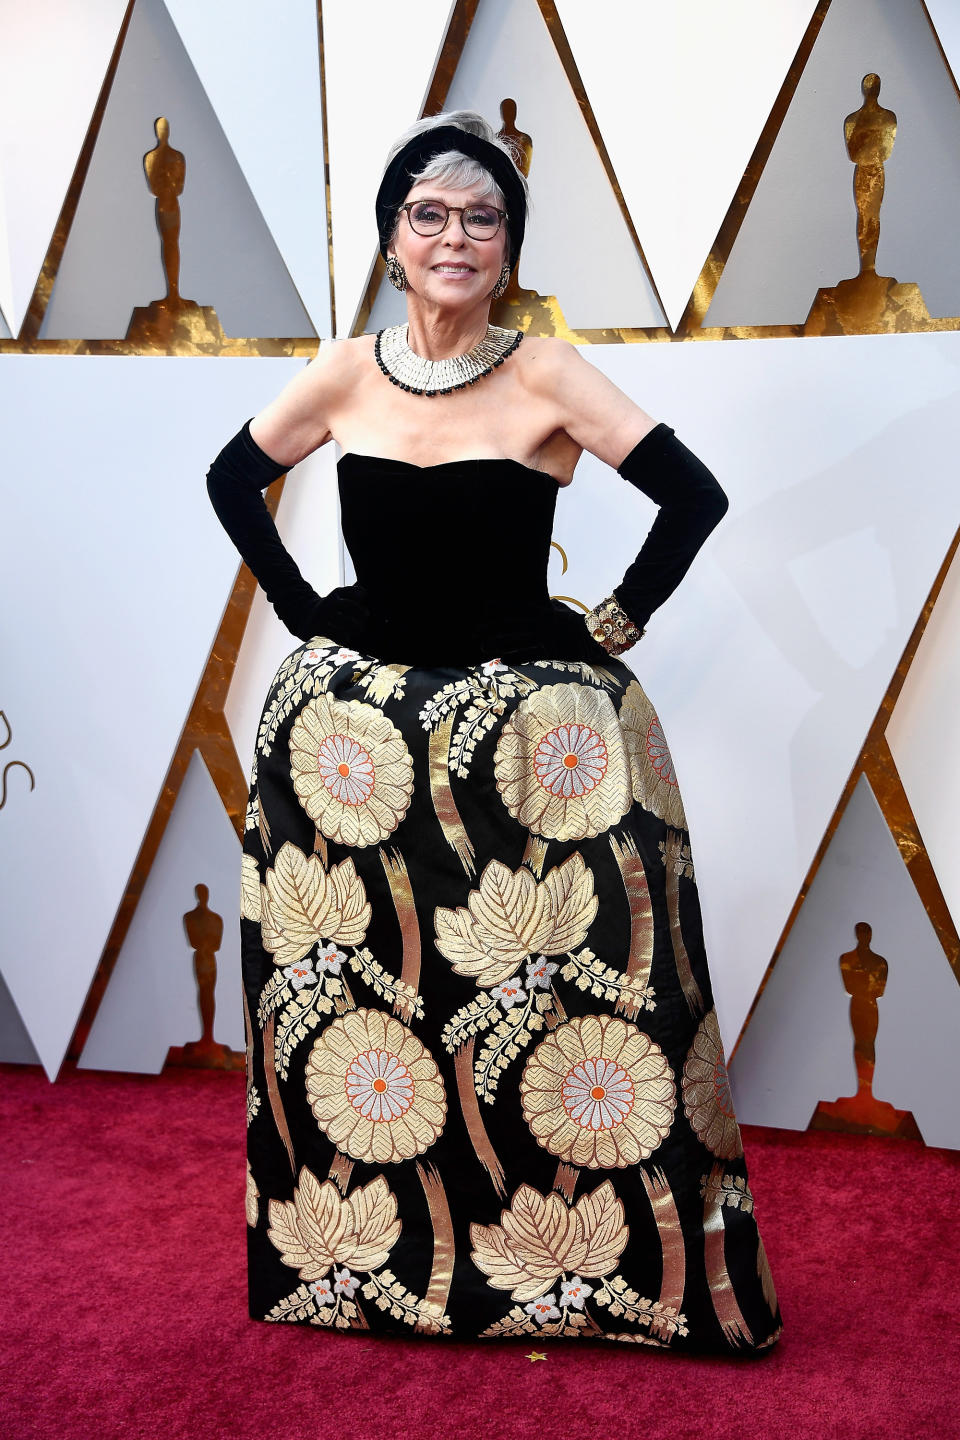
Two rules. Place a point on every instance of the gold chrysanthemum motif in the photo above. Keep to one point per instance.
(374, 1088)
(351, 769)
(560, 763)
(598, 1092)
(706, 1091)
(652, 774)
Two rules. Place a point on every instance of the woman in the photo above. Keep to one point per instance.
(486, 1086)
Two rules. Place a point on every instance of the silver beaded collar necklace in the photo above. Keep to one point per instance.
(419, 376)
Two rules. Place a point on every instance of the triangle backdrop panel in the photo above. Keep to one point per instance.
(16, 1047)
(53, 58)
(112, 259)
(924, 737)
(799, 232)
(111, 599)
(798, 1049)
(574, 217)
(945, 16)
(378, 62)
(151, 1000)
(681, 98)
(260, 67)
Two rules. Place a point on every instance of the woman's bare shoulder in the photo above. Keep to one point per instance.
(590, 408)
(546, 359)
(337, 368)
(301, 418)
(336, 359)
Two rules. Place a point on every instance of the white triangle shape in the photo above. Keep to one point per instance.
(945, 18)
(112, 258)
(923, 737)
(150, 1002)
(798, 1047)
(379, 61)
(53, 58)
(799, 231)
(679, 141)
(577, 244)
(16, 1047)
(263, 80)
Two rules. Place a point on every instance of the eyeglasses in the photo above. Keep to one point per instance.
(430, 217)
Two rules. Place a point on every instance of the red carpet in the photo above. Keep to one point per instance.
(124, 1299)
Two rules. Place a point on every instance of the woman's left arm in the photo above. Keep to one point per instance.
(602, 419)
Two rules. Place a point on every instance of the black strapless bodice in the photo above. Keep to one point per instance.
(453, 561)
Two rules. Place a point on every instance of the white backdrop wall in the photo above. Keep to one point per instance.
(768, 664)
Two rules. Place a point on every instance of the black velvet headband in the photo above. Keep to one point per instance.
(422, 148)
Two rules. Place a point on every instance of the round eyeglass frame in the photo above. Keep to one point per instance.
(454, 210)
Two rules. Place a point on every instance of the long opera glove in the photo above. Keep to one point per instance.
(235, 483)
(691, 503)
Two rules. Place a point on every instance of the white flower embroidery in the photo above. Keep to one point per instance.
(510, 993)
(570, 760)
(379, 1085)
(313, 656)
(543, 1309)
(344, 1282)
(574, 1292)
(491, 666)
(346, 769)
(343, 655)
(321, 1289)
(330, 958)
(598, 1093)
(539, 972)
(300, 974)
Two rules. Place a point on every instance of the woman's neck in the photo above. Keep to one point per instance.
(437, 333)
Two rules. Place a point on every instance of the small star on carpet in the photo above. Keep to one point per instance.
(535, 1355)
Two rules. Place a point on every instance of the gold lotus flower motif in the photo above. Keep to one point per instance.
(301, 904)
(374, 1088)
(249, 888)
(540, 1236)
(652, 772)
(561, 765)
(318, 1226)
(706, 1091)
(512, 915)
(351, 769)
(598, 1092)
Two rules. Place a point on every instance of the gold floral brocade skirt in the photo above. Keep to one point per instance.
(486, 1089)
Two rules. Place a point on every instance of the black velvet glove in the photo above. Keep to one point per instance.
(235, 482)
(691, 505)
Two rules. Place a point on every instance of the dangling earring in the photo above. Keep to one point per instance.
(396, 273)
(501, 285)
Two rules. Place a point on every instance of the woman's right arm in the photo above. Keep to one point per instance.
(294, 425)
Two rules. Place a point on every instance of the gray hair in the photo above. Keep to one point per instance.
(453, 169)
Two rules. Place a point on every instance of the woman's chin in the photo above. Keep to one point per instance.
(455, 287)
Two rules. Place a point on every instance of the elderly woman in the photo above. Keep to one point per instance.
(486, 1085)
